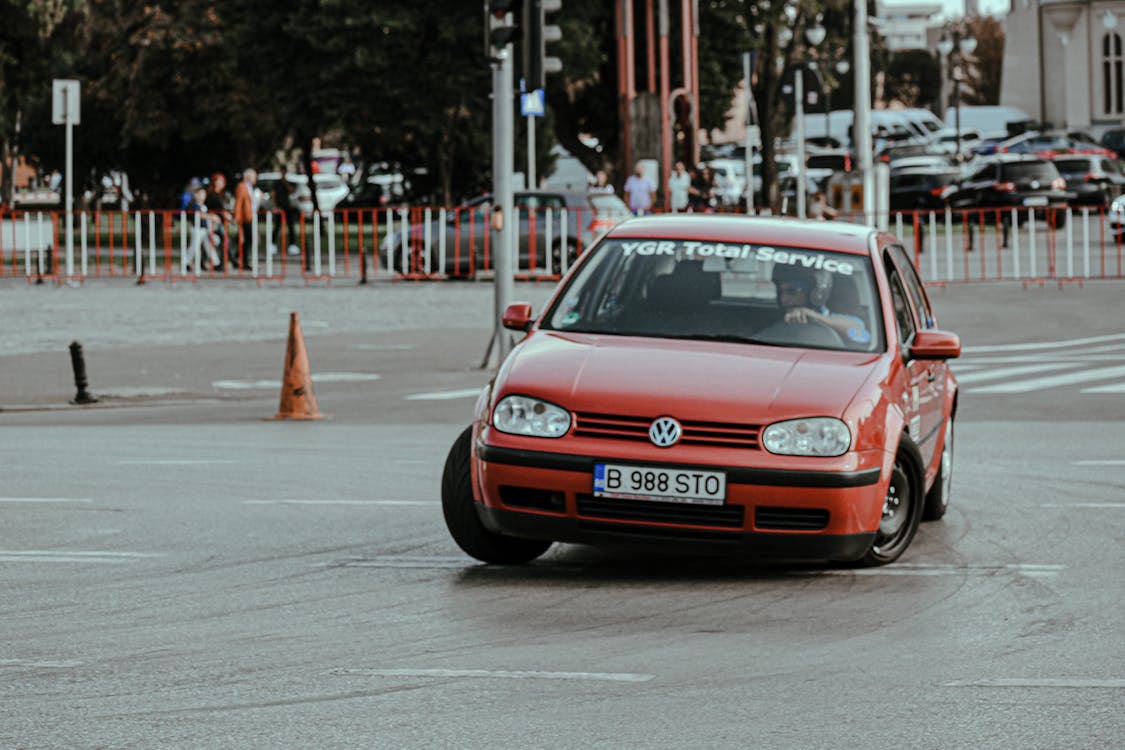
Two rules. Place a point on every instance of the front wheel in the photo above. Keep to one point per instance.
(902, 511)
(461, 517)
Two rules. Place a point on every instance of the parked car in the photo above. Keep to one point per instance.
(730, 180)
(330, 190)
(1013, 181)
(822, 165)
(892, 153)
(1094, 180)
(1114, 140)
(921, 188)
(946, 140)
(1050, 144)
(542, 234)
(815, 435)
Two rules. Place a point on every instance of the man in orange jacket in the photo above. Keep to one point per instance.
(244, 215)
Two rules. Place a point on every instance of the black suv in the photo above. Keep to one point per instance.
(1014, 181)
(1094, 180)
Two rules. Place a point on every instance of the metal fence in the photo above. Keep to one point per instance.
(436, 243)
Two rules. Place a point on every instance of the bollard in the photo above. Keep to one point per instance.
(79, 364)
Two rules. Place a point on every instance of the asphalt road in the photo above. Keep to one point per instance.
(177, 570)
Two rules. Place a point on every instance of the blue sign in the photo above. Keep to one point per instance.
(531, 104)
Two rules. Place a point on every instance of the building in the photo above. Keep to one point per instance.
(1064, 61)
(904, 25)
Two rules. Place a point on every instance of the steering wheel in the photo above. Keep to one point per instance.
(813, 333)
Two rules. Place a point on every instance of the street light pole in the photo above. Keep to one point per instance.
(962, 44)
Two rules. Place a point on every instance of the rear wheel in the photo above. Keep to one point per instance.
(937, 499)
(461, 517)
(902, 511)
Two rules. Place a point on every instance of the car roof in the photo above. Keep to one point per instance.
(826, 235)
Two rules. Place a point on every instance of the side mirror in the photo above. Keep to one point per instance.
(935, 345)
(517, 317)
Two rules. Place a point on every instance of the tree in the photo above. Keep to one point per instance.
(983, 75)
(913, 79)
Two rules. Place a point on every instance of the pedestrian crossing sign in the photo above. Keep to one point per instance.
(531, 103)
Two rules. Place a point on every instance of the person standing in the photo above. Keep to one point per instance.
(216, 203)
(244, 217)
(639, 191)
(679, 184)
(283, 199)
(601, 183)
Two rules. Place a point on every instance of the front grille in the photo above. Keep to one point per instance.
(713, 434)
(652, 511)
(661, 532)
(790, 519)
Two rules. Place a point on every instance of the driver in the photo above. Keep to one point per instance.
(802, 294)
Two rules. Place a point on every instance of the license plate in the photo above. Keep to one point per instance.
(668, 485)
(1035, 200)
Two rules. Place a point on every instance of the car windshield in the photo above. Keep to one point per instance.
(1042, 171)
(692, 289)
(1072, 166)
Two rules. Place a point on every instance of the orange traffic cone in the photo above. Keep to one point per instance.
(297, 399)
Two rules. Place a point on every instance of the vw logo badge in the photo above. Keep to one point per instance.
(1035, 184)
(665, 432)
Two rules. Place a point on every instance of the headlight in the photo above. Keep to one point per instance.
(819, 436)
(520, 415)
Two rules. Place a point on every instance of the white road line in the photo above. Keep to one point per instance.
(1011, 372)
(72, 556)
(1082, 505)
(427, 503)
(1112, 388)
(1048, 682)
(30, 664)
(1043, 344)
(1053, 381)
(1100, 462)
(176, 462)
(502, 674)
(45, 500)
(324, 377)
(444, 395)
(1035, 570)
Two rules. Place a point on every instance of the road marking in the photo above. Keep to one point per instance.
(45, 500)
(380, 347)
(1051, 381)
(30, 664)
(1011, 372)
(502, 674)
(1049, 682)
(1112, 388)
(1043, 344)
(1082, 505)
(428, 503)
(1100, 462)
(72, 556)
(176, 462)
(444, 395)
(1033, 570)
(324, 377)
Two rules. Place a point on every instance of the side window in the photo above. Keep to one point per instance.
(982, 174)
(914, 286)
(904, 315)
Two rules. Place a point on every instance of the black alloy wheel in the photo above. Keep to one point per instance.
(902, 512)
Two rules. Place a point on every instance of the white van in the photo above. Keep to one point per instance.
(991, 121)
(893, 124)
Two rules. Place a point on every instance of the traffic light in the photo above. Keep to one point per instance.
(499, 28)
(536, 34)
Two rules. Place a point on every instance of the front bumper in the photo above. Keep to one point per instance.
(769, 512)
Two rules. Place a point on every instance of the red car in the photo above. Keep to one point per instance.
(769, 387)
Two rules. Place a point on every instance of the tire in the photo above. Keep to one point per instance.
(902, 512)
(556, 256)
(937, 499)
(461, 517)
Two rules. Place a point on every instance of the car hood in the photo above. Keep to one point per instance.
(697, 380)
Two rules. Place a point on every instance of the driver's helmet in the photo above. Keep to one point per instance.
(818, 283)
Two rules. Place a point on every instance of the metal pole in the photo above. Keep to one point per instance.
(862, 123)
(69, 205)
(531, 182)
(749, 142)
(504, 164)
(802, 168)
(957, 107)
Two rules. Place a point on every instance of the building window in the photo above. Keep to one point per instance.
(1113, 85)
